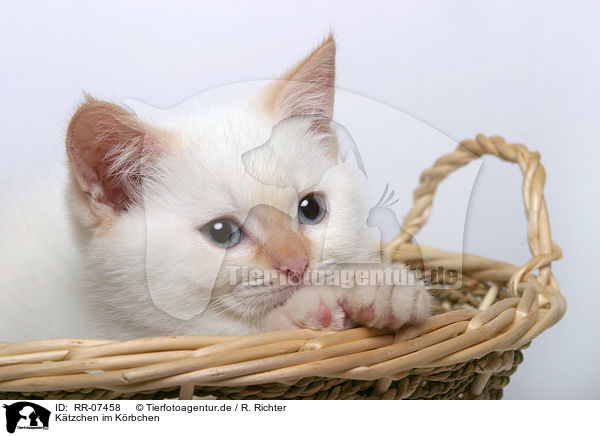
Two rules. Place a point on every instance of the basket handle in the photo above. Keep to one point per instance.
(544, 251)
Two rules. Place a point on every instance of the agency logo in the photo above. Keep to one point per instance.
(26, 415)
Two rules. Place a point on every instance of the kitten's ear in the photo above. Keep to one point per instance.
(307, 88)
(109, 150)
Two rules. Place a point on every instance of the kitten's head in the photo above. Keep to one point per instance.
(173, 215)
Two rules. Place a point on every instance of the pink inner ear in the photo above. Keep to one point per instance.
(106, 147)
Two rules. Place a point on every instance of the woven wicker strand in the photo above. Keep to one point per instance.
(468, 349)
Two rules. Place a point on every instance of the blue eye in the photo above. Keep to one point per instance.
(311, 209)
(223, 232)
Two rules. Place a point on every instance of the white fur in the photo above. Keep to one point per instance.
(39, 262)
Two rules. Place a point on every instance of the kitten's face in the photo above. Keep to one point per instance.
(246, 187)
(208, 184)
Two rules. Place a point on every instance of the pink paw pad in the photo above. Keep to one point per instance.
(390, 319)
(366, 315)
(324, 316)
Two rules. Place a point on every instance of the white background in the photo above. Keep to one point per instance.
(526, 70)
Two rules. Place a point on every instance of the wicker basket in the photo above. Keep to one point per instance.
(467, 350)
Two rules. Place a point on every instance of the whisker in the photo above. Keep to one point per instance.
(382, 195)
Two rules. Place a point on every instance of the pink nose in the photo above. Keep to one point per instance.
(294, 268)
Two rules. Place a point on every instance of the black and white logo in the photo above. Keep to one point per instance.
(26, 415)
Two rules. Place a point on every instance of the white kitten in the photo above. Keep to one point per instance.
(158, 216)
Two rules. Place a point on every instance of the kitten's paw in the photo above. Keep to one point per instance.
(311, 308)
(387, 306)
